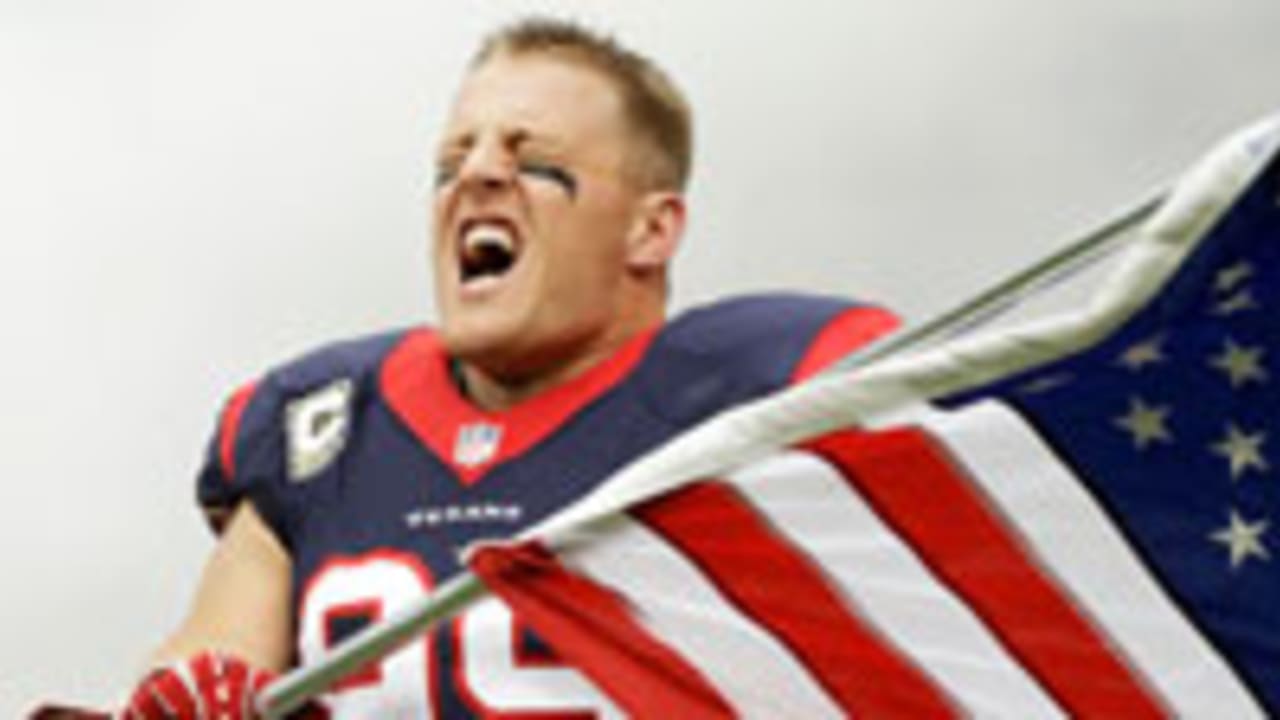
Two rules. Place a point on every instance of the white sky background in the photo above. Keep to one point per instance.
(192, 191)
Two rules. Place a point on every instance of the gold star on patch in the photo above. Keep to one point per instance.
(1144, 353)
(1243, 539)
(1242, 365)
(1145, 423)
(1243, 451)
(1236, 303)
(1229, 277)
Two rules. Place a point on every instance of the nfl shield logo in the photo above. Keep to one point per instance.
(476, 444)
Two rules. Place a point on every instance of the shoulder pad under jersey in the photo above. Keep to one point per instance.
(721, 354)
(287, 425)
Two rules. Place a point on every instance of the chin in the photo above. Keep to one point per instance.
(465, 343)
(486, 345)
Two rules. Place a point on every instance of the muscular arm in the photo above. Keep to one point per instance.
(242, 603)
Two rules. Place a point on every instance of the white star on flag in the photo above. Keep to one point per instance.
(1229, 277)
(1241, 364)
(1145, 423)
(1144, 353)
(1238, 302)
(1242, 450)
(1045, 384)
(1243, 539)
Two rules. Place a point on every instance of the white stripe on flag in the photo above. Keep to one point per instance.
(808, 502)
(675, 603)
(1076, 543)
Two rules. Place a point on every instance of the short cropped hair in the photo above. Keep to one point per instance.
(656, 110)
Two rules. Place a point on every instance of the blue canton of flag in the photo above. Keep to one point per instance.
(1172, 425)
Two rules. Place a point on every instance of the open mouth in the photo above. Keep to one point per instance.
(488, 249)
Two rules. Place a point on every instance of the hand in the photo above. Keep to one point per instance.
(205, 686)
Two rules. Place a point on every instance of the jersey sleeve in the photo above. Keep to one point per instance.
(277, 441)
(729, 352)
(244, 456)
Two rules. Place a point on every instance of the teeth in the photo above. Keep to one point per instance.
(488, 250)
(488, 235)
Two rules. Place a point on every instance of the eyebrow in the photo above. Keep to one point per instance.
(456, 142)
(517, 137)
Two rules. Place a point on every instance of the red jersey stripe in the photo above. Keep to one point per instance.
(849, 331)
(230, 427)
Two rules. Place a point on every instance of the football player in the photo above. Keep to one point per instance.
(344, 484)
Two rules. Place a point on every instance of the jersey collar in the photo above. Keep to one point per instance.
(416, 383)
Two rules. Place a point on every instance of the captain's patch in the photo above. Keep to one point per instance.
(316, 426)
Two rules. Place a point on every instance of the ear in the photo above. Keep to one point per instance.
(656, 231)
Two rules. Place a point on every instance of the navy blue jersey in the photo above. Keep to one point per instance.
(374, 473)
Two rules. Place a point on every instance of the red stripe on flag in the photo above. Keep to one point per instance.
(783, 591)
(592, 628)
(926, 498)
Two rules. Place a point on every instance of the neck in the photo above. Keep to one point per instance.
(493, 391)
(497, 381)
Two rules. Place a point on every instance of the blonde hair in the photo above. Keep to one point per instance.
(656, 110)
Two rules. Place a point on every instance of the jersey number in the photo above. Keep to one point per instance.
(489, 672)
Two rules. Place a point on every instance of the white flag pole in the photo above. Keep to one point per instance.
(295, 688)
(1006, 294)
(292, 690)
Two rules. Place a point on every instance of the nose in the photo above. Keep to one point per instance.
(487, 166)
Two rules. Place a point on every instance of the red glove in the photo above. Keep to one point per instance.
(205, 686)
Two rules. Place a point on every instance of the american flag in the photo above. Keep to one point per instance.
(1091, 537)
